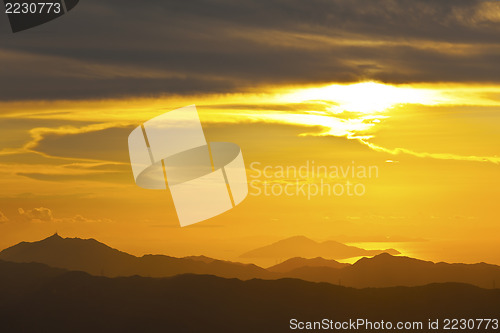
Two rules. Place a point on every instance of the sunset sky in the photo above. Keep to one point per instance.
(412, 87)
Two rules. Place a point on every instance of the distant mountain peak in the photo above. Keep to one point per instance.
(301, 246)
(54, 236)
(384, 256)
(390, 259)
(298, 262)
(297, 239)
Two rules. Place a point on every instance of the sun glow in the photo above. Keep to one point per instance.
(354, 111)
(365, 97)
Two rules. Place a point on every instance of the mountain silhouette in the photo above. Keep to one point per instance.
(383, 270)
(37, 298)
(96, 258)
(303, 263)
(300, 246)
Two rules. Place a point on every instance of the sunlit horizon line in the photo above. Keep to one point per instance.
(443, 94)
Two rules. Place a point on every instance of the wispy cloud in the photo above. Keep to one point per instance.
(3, 218)
(439, 156)
(45, 215)
(41, 214)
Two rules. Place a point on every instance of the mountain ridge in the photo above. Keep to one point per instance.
(382, 270)
(301, 246)
(297, 262)
(96, 258)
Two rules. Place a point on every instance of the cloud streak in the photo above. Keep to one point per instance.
(45, 215)
(439, 156)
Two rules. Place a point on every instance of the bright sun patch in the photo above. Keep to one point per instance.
(365, 97)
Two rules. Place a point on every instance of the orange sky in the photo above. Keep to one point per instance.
(409, 87)
(64, 166)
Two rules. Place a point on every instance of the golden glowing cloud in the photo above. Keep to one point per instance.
(365, 97)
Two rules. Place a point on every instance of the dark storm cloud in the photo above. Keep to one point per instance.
(152, 47)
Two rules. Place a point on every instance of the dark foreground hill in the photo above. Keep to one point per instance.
(36, 298)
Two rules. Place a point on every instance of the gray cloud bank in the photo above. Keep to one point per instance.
(116, 48)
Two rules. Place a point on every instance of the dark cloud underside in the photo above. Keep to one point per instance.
(152, 47)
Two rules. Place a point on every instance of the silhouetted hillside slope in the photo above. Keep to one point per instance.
(385, 270)
(295, 263)
(300, 246)
(382, 270)
(96, 258)
(34, 298)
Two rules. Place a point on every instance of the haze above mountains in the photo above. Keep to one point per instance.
(383, 270)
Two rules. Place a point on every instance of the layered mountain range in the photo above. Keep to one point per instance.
(381, 270)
